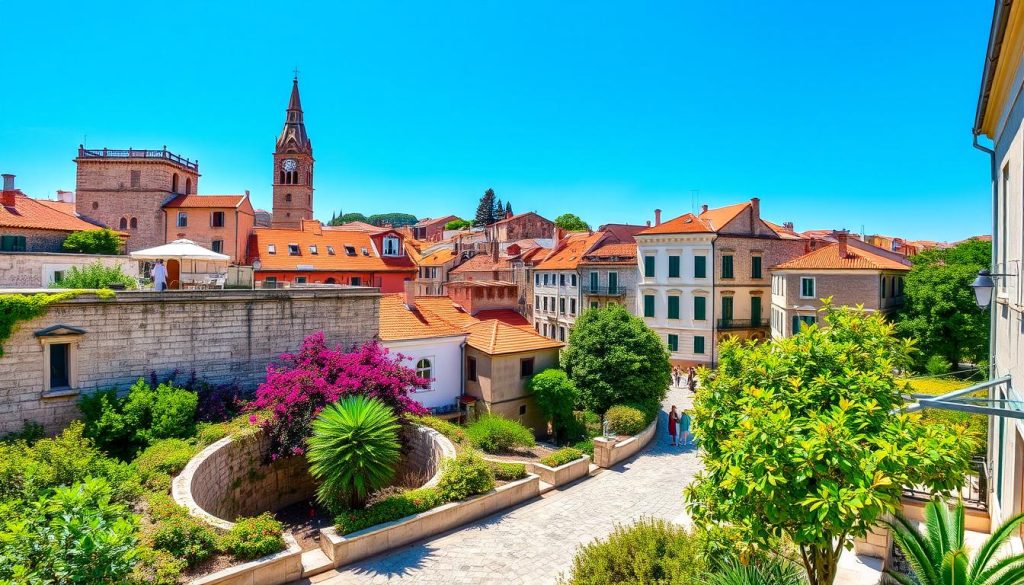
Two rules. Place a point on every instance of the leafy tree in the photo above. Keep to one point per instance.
(348, 218)
(485, 209)
(393, 219)
(101, 241)
(93, 276)
(556, 397)
(354, 450)
(939, 309)
(939, 556)
(571, 223)
(615, 358)
(805, 438)
(457, 224)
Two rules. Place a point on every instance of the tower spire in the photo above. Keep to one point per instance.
(293, 136)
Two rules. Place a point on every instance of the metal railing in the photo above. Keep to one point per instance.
(136, 153)
(742, 323)
(607, 291)
(974, 492)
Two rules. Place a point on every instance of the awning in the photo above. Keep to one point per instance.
(181, 250)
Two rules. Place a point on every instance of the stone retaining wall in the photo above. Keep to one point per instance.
(609, 452)
(276, 569)
(563, 474)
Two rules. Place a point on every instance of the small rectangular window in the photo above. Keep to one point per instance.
(698, 344)
(217, 246)
(350, 250)
(755, 267)
(613, 283)
(648, 305)
(526, 366)
(673, 307)
(561, 333)
(312, 249)
(648, 266)
(727, 266)
(673, 342)
(271, 249)
(136, 179)
(561, 305)
(12, 243)
(270, 282)
(545, 303)
(573, 277)
(545, 279)
(218, 219)
(699, 308)
(561, 280)
(293, 250)
(593, 304)
(300, 280)
(593, 281)
(673, 266)
(356, 281)
(572, 306)
(806, 287)
(536, 279)
(60, 365)
(700, 266)
(364, 251)
(182, 219)
(471, 369)
(330, 250)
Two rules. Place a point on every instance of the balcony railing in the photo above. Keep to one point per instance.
(742, 323)
(974, 492)
(604, 291)
(135, 153)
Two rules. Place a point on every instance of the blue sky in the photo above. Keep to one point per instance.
(835, 118)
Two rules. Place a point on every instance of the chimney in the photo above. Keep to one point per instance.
(65, 196)
(841, 238)
(7, 199)
(410, 294)
(246, 193)
(755, 206)
(704, 208)
(657, 217)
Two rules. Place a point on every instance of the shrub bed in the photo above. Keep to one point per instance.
(495, 434)
(561, 457)
(252, 538)
(454, 432)
(507, 471)
(625, 420)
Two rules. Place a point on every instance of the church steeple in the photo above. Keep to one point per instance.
(293, 168)
(293, 136)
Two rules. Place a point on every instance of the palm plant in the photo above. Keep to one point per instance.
(938, 555)
(771, 571)
(354, 450)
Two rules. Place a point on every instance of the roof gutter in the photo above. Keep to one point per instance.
(1000, 18)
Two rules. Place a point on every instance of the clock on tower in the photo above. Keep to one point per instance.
(293, 168)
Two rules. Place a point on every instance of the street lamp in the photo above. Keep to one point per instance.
(983, 286)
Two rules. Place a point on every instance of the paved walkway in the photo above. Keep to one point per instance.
(535, 542)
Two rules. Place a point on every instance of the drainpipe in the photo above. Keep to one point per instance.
(995, 218)
(714, 314)
(462, 373)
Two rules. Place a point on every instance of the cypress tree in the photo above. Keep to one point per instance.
(485, 210)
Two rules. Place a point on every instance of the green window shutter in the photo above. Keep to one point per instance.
(700, 266)
(698, 344)
(727, 308)
(648, 305)
(796, 324)
(613, 283)
(755, 311)
(673, 342)
(593, 281)
(699, 308)
(726, 266)
(673, 266)
(673, 307)
(755, 267)
(806, 287)
(649, 266)
(7, 243)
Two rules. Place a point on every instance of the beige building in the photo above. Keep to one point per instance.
(221, 223)
(850, 272)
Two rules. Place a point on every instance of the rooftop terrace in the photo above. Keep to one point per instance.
(133, 153)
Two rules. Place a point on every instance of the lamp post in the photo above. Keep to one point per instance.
(983, 286)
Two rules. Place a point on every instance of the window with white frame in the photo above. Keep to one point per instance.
(182, 219)
(425, 369)
(391, 247)
(271, 249)
(807, 287)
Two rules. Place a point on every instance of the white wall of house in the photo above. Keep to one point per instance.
(562, 291)
(445, 356)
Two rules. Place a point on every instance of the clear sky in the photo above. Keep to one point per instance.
(836, 115)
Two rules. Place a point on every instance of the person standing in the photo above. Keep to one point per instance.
(160, 276)
(673, 420)
(684, 428)
(691, 379)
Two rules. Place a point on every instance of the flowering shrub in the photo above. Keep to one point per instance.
(299, 387)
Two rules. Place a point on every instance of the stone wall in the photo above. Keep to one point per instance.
(222, 336)
(34, 270)
(38, 240)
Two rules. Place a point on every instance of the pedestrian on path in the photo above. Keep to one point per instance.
(684, 428)
(691, 379)
(673, 418)
(160, 276)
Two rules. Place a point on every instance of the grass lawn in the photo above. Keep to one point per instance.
(977, 424)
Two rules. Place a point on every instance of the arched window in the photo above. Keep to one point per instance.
(288, 197)
(134, 223)
(329, 280)
(95, 205)
(174, 183)
(280, 178)
(124, 223)
(424, 369)
(188, 186)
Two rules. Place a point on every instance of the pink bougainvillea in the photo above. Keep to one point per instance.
(301, 384)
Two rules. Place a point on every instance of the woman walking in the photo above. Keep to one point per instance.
(684, 429)
(691, 381)
(673, 418)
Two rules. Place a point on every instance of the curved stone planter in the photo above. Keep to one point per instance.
(349, 548)
(276, 569)
(609, 452)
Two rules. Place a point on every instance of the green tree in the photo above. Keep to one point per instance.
(939, 309)
(508, 208)
(571, 223)
(457, 224)
(392, 219)
(354, 450)
(348, 218)
(485, 209)
(615, 358)
(99, 241)
(806, 438)
(499, 210)
(556, 397)
(938, 556)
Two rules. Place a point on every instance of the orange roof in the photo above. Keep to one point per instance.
(438, 257)
(828, 258)
(783, 232)
(495, 337)
(354, 226)
(29, 213)
(353, 251)
(618, 253)
(483, 263)
(684, 224)
(718, 217)
(569, 254)
(206, 201)
(61, 206)
(397, 322)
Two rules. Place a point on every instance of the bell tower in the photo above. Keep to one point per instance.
(293, 168)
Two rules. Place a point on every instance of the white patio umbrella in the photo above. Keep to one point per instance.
(186, 250)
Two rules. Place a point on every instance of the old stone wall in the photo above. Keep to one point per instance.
(34, 270)
(38, 240)
(222, 336)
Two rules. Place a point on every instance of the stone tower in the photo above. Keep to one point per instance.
(293, 168)
(126, 190)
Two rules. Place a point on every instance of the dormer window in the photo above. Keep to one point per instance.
(293, 249)
(330, 250)
(365, 251)
(312, 249)
(391, 246)
(271, 249)
(350, 250)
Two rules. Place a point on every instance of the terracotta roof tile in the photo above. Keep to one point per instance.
(205, 201)
(483, 263)
(348, 249)
(828, 258)
(398, 322)
(569, 254)
(718, 217)
(684, 224)
(438, 257)
(495, 337)
(29, 213)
